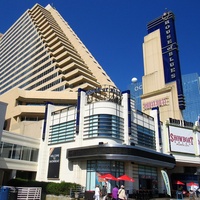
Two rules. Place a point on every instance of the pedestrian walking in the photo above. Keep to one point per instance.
(104, 192)
(122, 193)
(115, 193)
(97, 193)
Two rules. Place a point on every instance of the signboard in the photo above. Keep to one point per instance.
(156, 103)
(181, 140)
(54, 162)
(170, 54)
(198, 140)
(104, 93)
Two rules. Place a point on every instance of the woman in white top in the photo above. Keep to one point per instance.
(97, 193)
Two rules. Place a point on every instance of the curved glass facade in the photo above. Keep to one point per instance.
(103, 125)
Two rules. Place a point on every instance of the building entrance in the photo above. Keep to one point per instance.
(146, 184)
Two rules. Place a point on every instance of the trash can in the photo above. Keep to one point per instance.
(12, 193)
(89, 195)
(4, 192)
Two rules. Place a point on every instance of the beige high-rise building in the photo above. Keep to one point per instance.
(155, 91)
(162, 83)
(43, 60)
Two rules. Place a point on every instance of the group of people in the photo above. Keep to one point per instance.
(192, 194)
(117, 194)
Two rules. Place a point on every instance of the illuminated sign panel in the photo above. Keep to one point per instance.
(169, 45)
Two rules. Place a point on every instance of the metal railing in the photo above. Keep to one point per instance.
(29, 193)
(77, 193)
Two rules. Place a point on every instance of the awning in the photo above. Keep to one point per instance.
(122, 153)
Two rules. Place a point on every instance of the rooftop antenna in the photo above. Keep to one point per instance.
(166, 11)
(165, 14)
(52, 6)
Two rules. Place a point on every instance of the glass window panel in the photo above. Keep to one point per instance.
(7, 150)
(16, 151)
(1, 148)
(34, 155)
(96, 168)
(26, 153)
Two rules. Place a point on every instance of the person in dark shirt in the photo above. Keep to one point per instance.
(104, 192)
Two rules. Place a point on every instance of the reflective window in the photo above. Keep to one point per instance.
(104, 125)
(63, 132)
(34, 155)
(148, 178)
(143, 131)
(16, 151)
(19, 152)
(100, 167)
(6, 150)
(26, 152)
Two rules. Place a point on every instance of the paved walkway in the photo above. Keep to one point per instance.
(168, 198)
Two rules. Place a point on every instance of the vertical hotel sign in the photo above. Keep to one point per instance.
(54, 163)
(170, 55)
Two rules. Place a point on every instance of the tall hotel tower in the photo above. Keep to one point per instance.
(43, 60)
(162, 82)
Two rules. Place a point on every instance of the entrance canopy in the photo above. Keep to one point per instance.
(122, 153)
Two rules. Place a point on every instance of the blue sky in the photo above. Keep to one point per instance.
(114, 30)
